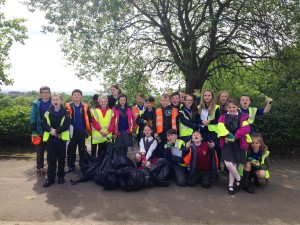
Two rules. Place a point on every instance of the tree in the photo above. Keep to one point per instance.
(138, 41)
(11, 31)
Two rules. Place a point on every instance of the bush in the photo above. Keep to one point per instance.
(15, 125)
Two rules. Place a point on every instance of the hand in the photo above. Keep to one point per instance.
(197, 92)
(211, 144)
(155, 135)
(144, 163)
(53, 132)
(188, 144)
(205, 122)
(268, 100)
(115, 136)
(145, 121)
(230, 138)
(169, 145)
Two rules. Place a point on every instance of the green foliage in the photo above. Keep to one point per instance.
(15, 125)
(11, 31)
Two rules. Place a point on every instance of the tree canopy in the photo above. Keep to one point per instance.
(137, 42)
(11, 31)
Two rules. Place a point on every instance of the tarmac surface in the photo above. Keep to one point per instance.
(23, 200)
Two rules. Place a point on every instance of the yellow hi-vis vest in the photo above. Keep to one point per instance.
(252, 113)
(65, 136)
(104, 122)
(213, 127)
(184, 130)
(264, 156)
(136, 113)
(176, 150)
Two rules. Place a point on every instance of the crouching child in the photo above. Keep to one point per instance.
(56, 124)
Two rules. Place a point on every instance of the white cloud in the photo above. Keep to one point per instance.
(40, 61)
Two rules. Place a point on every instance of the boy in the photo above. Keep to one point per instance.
(39, 107)
(166, 118)
(245, 101)
(81, 120)
(206, 160)
(138, 110)
(175, 100)
(56, 123)
(148, 116)
(177, 156)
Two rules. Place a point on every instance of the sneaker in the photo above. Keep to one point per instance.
(61, 180)
(48, 183)
(70, 170)
(41, 171)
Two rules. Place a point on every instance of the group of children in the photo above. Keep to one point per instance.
(193, 138)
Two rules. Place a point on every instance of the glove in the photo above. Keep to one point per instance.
(169, 145)
(230, 138)
(255, 163)
(269, 100)
(33, 134)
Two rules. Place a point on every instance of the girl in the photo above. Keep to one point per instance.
(209, 115)
(232, 130)
(113, 98)
(124, 125)
(147, 146)
(221, 100)
(103, 125)
(188, 118)
(258, 162)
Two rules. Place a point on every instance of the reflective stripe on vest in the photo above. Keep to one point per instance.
(86, 117)
(104, 123)
(248, 138)
(65, 136)
(184, 130)
(252, 113)
(213, 127)
(159, 119)
(136, 113)
(264, 156)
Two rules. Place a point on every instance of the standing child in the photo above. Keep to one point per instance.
(56, 123)
(124, 125)
(103, 125)
(188, 118)
(166, 118)
(148, 116)
(81, 120)
(233, 130)
(95, 106)
(39, 107)
(148, 144)
(245, 101)
(138, 111)
(175, 100)
(113, 98)
(258, 163)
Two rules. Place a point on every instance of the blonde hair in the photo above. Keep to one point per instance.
(211, 107)
(221, 92)
(101, 96)
(56, 95)
(262, 147)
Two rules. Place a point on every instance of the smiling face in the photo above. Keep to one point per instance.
(172, 138)
(175, 100)
(188, 101)
(103, 102)
(147, 131)
(223, 98)
(165, 101)
(207, 97)
(232, 108)
(114, 91)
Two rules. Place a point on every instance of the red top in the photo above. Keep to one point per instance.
(203, 157)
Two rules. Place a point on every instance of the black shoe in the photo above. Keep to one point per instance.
(48, 183)
(61, 180)
(70, 170)
(249, 189)
(231, 190)
(238, 184)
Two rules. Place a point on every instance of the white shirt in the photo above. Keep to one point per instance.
(204, 115)
(151, 149)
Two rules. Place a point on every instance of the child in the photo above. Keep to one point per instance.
(188, 118)
(175, 100)
(206, 160)
(177, 156)
(258, 162)
(232, 131)
(166, 118)
(39, 107)
(56, 123)
(138, 110)
(245, 101)
(103, 125)
(148, 144)
(113, 98)
(95, 106)
(124, 125)
(81, 120)
(181, 97)
(148, 116)
(221, 100)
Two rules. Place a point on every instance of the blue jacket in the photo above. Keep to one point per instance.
(35, 117)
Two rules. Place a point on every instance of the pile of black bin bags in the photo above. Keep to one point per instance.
(117, 170)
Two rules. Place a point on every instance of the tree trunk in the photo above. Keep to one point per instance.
(194, 80)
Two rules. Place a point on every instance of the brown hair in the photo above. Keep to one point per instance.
(44, 88)
(262, 147)
(233, 101)
(212, 104)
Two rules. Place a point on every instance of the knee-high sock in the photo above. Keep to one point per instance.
(233, 173)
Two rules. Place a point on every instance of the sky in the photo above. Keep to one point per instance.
(40, 61)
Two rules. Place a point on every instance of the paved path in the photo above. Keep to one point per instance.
(24, 201)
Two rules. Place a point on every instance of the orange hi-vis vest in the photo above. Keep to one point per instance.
(159, 119)
(85, 109)
(136, 114)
